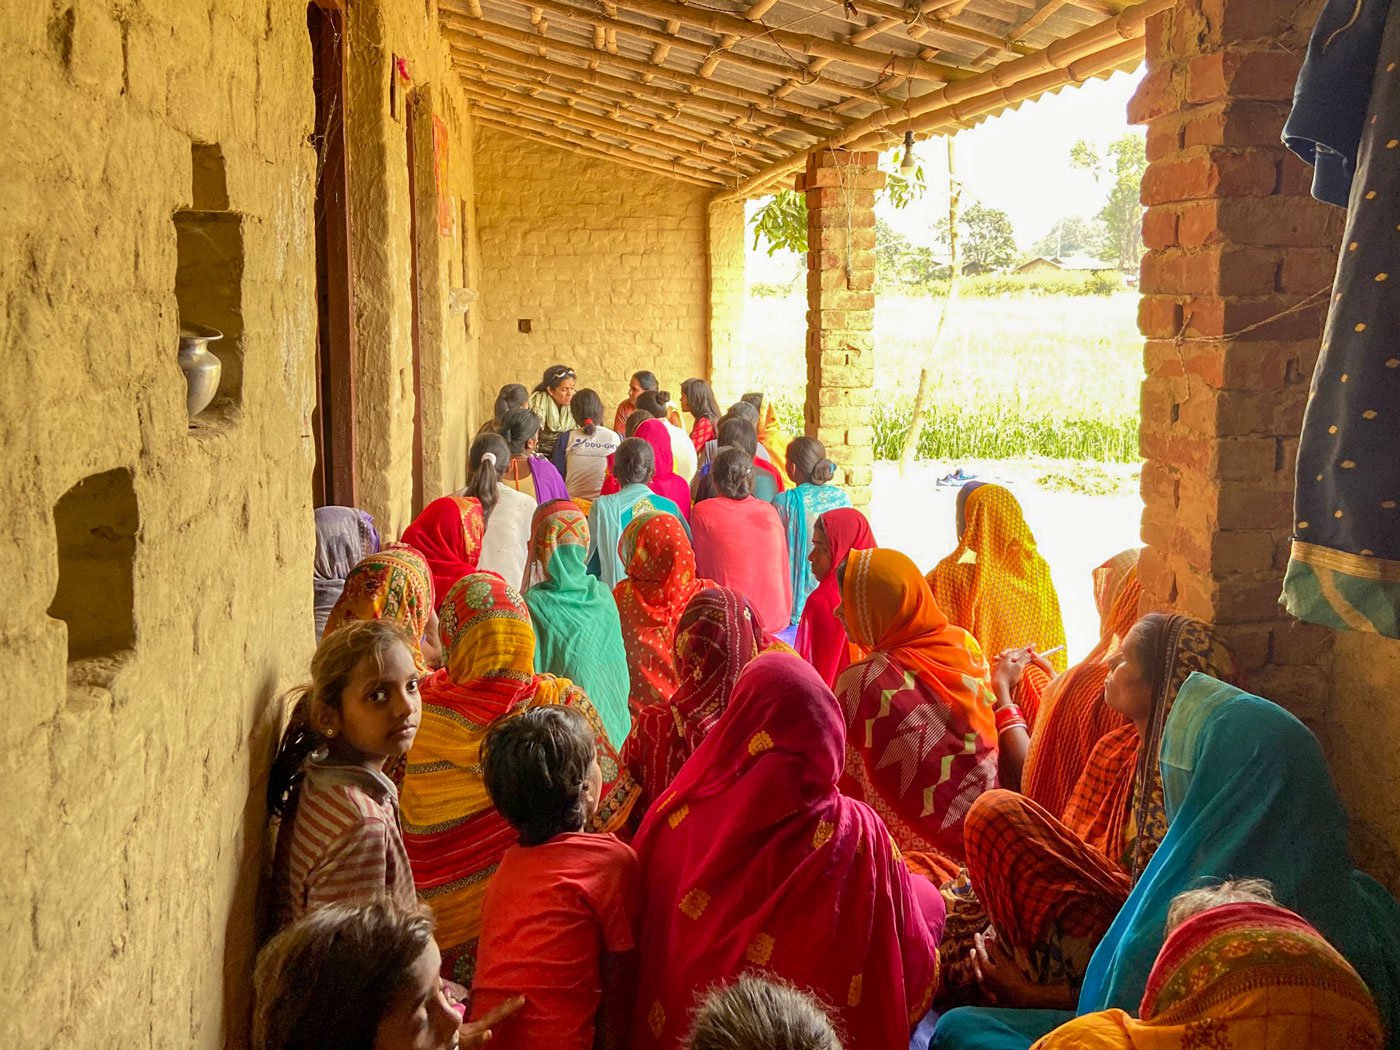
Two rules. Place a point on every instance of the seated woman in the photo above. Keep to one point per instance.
(771, 436)
(821, 637)
(344, 535)
(639, 384)
(739, 541)
(921, 741)
(1246, 971)
(698, 400)
(799, 508)
(454, 837)
(581, 455)
(1083, 864)
(718, 635)
(529, 471)
(393, 584)
(665, 479)
(504, 544)
(634, 466)
(657, 403)
(577, 631)
(550, 402)
(660, 582)
(449, 534)
(757, 1012)
(1249, 796)
(996, 585)
(1072, 717)
(510, 396)
(737, 432)
(754, 858)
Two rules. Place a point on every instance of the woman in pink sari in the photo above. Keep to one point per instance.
(665, 482)
(821, 639)
(754, 858)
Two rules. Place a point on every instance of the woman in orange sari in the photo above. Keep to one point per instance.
(453, 834)
(1049, 887)
(660, 582)
(718, 635)
(448, 534)
(997, 586)
(392, 584)
(754, 858)
(1072, 716)
(921, 739)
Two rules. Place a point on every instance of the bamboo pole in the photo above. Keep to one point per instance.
(632, 65)
(680, 99)
(804, 43)
(715, 160)
(1120, 36)
(642, 108)
(563, 140)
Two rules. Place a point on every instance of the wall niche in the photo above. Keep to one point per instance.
(96, 522)
(209, 274)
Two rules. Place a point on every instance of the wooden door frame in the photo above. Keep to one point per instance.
(411, 118)
(335, 350)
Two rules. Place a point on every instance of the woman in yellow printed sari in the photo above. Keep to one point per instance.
(454, 836)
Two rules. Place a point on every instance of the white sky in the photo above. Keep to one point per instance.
(1018, 162)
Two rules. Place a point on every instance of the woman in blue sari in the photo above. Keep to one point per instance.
(633, 467)
(1247, 795)
(799, 508)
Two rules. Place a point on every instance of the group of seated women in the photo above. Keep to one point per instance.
(599, 792)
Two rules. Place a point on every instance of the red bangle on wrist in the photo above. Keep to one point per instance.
(1008, 717)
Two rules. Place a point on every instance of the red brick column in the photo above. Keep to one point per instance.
(1233, 240)
(840, 188)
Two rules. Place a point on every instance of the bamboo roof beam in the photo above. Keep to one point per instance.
(803, 43)
(1120, 36)
(758, 9)
(715, 159)
(655, 114)
(662, 51)
(684, 100)
(560, 139)
(645, 69)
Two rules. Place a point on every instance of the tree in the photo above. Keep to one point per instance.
(1072, 235)
(1120, 166)
(782, 221)
(986, 237)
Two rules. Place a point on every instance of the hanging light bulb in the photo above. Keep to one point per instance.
(907, 164)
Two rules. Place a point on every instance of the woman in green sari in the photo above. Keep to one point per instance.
(799, 508)
(578, 634)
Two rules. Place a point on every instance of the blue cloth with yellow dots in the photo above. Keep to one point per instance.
(1344, 571)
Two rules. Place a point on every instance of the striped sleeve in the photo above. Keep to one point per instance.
(353, 868)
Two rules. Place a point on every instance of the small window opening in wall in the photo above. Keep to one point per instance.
(209, 275)
(96, 522)
(523, 325)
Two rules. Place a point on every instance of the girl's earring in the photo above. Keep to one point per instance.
(330, 733)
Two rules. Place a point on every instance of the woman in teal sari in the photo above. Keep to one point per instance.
(633, 467)
(1247, 795)
(578, 634)
(799, 508)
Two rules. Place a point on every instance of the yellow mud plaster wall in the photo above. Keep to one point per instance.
(728, 296)
(607, 263)
(380, 35)
(133, 793)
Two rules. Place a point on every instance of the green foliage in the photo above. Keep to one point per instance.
(1089, 479)
(986, 240)
(770, 290)
(996, 285)
(1120, 167)
(1073, 235)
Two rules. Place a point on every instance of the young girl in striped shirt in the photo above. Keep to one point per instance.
(339, 839)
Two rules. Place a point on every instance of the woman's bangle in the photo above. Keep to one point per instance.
(1009, 716)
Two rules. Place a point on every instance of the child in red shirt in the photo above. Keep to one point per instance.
(559, 920)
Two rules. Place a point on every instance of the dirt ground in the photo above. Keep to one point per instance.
(1075, 530)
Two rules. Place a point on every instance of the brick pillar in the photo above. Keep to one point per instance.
(1233, 239)
(840, 188)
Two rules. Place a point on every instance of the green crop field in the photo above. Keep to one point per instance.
(1053, 375)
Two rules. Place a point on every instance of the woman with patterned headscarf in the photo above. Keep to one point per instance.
(997, 586)
(719, 633)
(448, 533)
(344, 535)
(922, 742)
(392, 584)
(660, 582)
(577, 631)
(453, 834)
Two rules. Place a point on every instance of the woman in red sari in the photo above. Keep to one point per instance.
(719, 634)
(660, 582)
(754, 858)
(664, 480)
(821, 638)
(448, 534)
(922, 741)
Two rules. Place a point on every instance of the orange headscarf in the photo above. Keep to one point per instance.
(1073, 717)
(996, 584)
